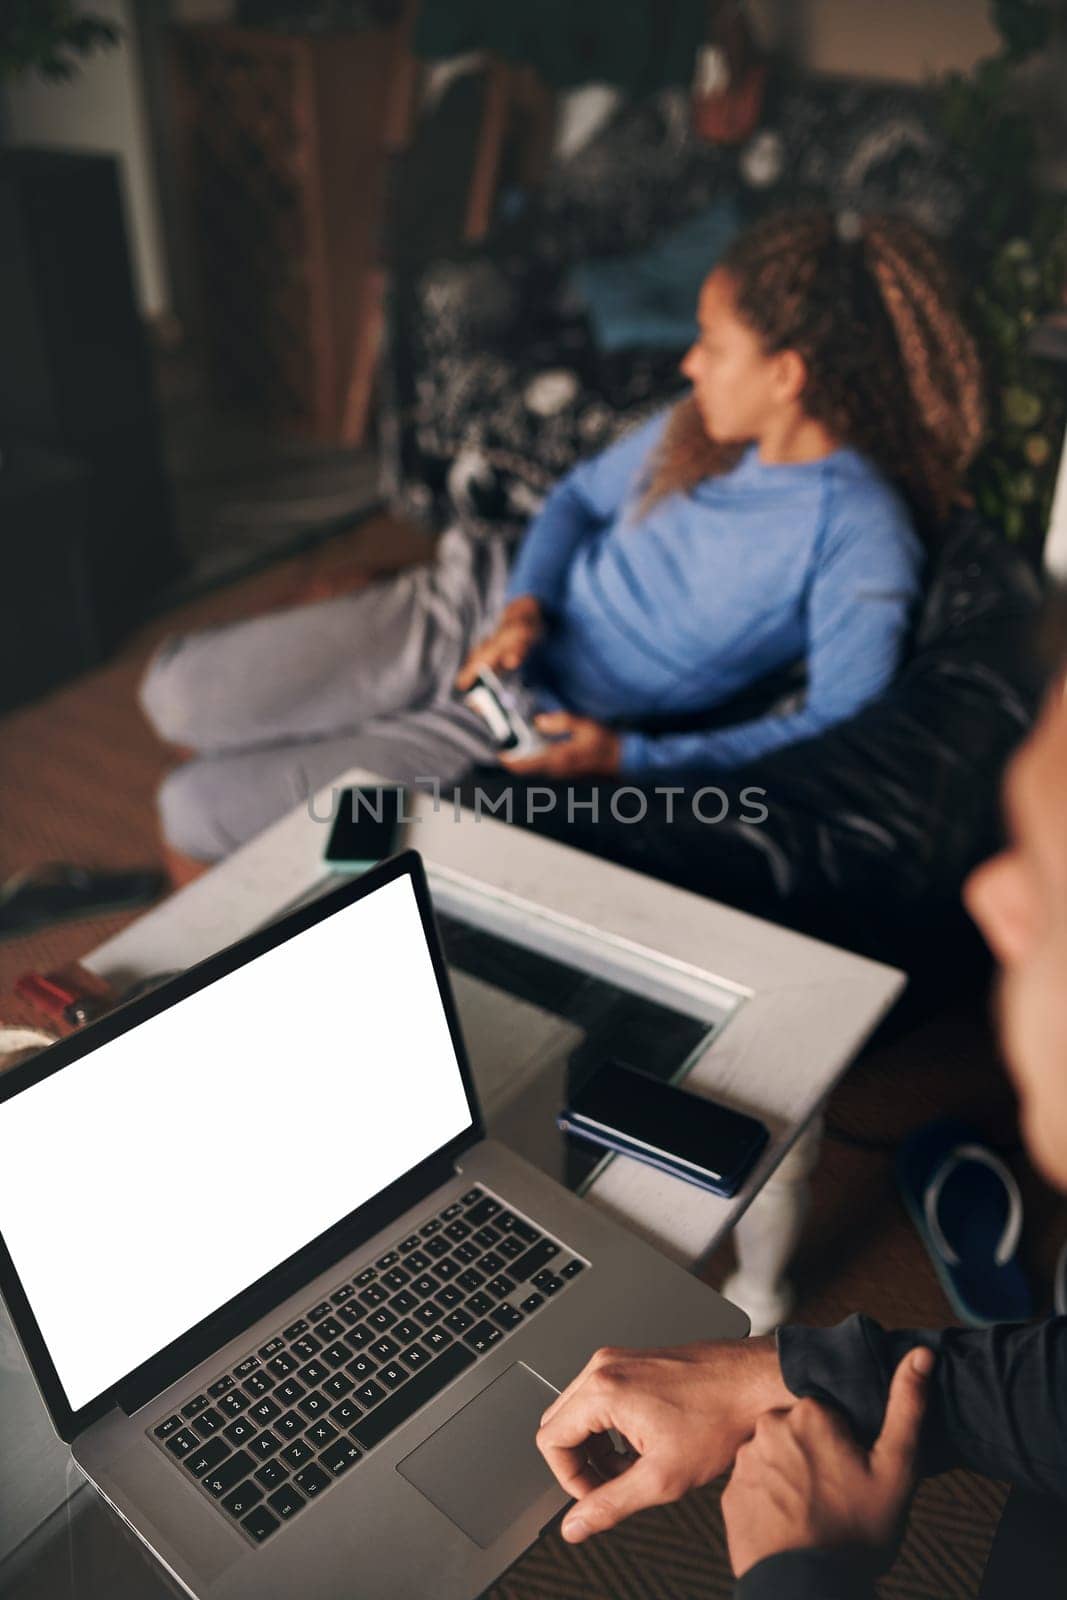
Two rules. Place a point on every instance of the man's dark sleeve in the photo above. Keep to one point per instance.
(806, 1575)
(997, 1397)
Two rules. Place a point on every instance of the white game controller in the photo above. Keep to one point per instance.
(507, 708)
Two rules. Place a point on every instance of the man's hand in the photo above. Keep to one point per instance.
(521, 625)
(804, 1483)
(683, 1411)
(588, 749)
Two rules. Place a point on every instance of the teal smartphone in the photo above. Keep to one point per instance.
(367, 828)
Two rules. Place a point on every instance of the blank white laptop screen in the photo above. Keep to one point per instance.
(145, 1185)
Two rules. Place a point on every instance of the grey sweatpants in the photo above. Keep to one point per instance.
(278, 705)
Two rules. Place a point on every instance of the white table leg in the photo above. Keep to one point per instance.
(767, 1235)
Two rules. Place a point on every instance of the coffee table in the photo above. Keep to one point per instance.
(558, 959)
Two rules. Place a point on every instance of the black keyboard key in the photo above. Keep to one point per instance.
(532, 1302)
(396, 1278)
(451, 1211)
(358, 1338)
(415, 1357)
(233, 1402)
(220, 1386)
(365, 1277)
(264, 1411)
(209, 1455)
(481, 1303)
(260, 1524)
(330, 1328)
(314, 1404)
(483, 1336)
(345, 1414)
(384, 1349)
(289, 1392)
(431, 1227)
(406, 1331)
(436, 1339)
(392, 1374)
(417, 1261)
(447, 1270)
(409, 1244)
(547, 1282)
(352, 1315)
(459, 1321)
(282, 1365)
(424, 1285)
(193, 1408)
(471, 1196)
(491, 1263)
(337, 1385)
(264, 1444)
(450, 1296)
(345, 1292)
(306, 1347)
(271, 1474)
(469, 1281)
(317, 1313)
(295, 1329)
(466, 1253)
(390, 1259)
(243, 1498)
(538, 1256)
(421, 1387)
(246, 1367)
(374, 1294)
(290, 1424)
(232, 1472)
(518, 1226)
(313, 1372)
(286, 1501)
(437, 1247)
(501, 1286)
(321, 1433)
(368, 1394)
(506, 1317)
(259, 1383)
(271, 1348)
(312, 1480)
(403, 1302)
(361, 1367)
(164, 1429)
(486, 1237)
(457, 1231)
(510, 1246)
(340, 1456)
(429, 1314)
(482, 1211)
(572, 1269)
(240, 1431)
(208, 1422)
(183, 1442)
(297, 1453)
(381, 1319)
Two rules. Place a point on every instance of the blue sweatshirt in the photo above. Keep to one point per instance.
(740, 576)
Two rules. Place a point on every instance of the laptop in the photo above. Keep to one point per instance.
(296, 1316)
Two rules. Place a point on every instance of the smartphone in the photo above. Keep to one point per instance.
(684, 1134)
(369, 826)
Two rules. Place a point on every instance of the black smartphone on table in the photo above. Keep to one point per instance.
(368, 826)
(682, 1133)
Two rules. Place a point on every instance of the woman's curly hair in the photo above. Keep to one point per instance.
(891, 368)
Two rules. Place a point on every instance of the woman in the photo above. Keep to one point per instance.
(772, 515)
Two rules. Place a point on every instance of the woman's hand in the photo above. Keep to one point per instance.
(521, 625)
(803, 1482)
(590, 748)
(685, 1412)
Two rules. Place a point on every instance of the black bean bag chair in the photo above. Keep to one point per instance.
(871, 827)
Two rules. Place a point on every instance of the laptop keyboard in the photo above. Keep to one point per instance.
(278, 1428)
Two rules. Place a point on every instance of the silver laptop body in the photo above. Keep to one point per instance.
(246, 1193)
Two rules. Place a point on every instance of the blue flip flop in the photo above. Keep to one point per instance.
(967, 1208)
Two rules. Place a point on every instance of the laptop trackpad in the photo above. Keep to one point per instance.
(482, 1467)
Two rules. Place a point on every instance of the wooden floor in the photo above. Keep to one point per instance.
(78, 775)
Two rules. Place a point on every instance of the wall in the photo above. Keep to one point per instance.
(102, 108)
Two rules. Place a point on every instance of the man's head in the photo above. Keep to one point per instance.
(1019, 900)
